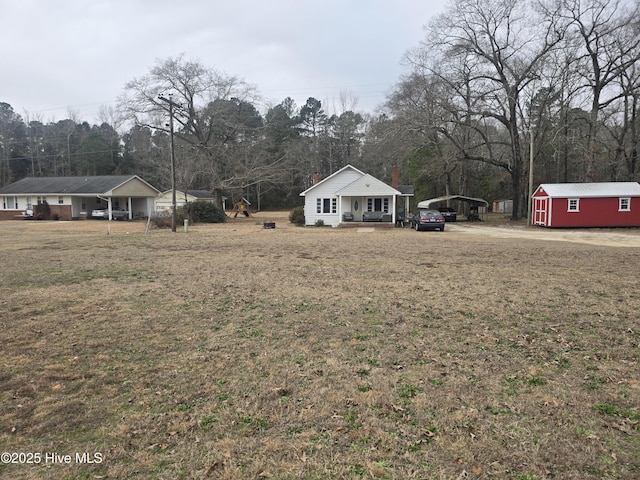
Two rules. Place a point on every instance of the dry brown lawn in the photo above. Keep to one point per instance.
(235, 352)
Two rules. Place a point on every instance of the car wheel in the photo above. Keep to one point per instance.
(442, 228)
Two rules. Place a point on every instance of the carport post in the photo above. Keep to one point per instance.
(108, 200)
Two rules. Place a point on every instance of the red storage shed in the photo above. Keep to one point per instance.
(606, 204)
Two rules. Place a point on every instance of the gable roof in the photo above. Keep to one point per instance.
(582, 190)
(200, 193)
(194, 193)
(324, 180)
(96, 185)
(367, 184)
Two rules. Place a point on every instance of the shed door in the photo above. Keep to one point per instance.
(540, 211)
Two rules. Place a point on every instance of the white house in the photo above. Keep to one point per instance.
(164, 201)
(350, 195)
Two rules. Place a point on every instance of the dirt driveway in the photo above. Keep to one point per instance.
(602, 236)
(613, 237)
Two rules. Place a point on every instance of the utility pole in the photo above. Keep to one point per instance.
(172, 104)
(531, 152)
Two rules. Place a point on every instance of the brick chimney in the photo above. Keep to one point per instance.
(316, 177)
(395, 180)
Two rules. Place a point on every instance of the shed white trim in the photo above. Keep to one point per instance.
(586, 190)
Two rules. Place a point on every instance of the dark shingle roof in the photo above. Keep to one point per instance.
(200, 193)
(69, 185)
(406, 189)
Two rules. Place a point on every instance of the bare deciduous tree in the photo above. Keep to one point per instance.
(216, 118)
(606, 32)
(502, 49)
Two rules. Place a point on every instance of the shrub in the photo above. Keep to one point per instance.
(319, 223)
(203, 212)
(42, 211)
(162, 219)
(297, 216)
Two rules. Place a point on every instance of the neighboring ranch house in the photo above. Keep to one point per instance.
(350, 195)
(164, 201)
(72, 198)
(607, 204)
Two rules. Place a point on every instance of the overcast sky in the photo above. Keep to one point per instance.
(58, 56)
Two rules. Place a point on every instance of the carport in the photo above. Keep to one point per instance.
(472, 211)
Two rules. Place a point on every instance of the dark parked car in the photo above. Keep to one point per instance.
(428, 220)
(449, 214)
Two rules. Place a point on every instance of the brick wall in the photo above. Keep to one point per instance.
(9, 214)
(62, 211)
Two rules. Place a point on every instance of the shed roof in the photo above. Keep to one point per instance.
(96, 185)
(406, 190)
(600, 189)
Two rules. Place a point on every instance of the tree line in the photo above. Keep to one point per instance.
(499, 96)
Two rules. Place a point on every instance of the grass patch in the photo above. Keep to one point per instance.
(234, 352)
(617, 411)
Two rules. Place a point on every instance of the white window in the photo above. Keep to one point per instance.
(378, 205)
(60, 200)
(326, 205)
(574, 205)
(625, 205)
(10, 203)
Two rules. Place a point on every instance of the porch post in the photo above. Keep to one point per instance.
(393, 211)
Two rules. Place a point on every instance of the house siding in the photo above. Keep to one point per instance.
(327, 189)
(332, 185)
(311, 216)
(165, 200)
(134, 188)
(594, 212)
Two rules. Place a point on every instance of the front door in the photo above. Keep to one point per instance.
(356, 208)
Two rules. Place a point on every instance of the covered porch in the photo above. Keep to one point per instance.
(366, 210)
(367, 201)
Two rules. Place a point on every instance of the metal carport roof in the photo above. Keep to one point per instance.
(431, 201)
